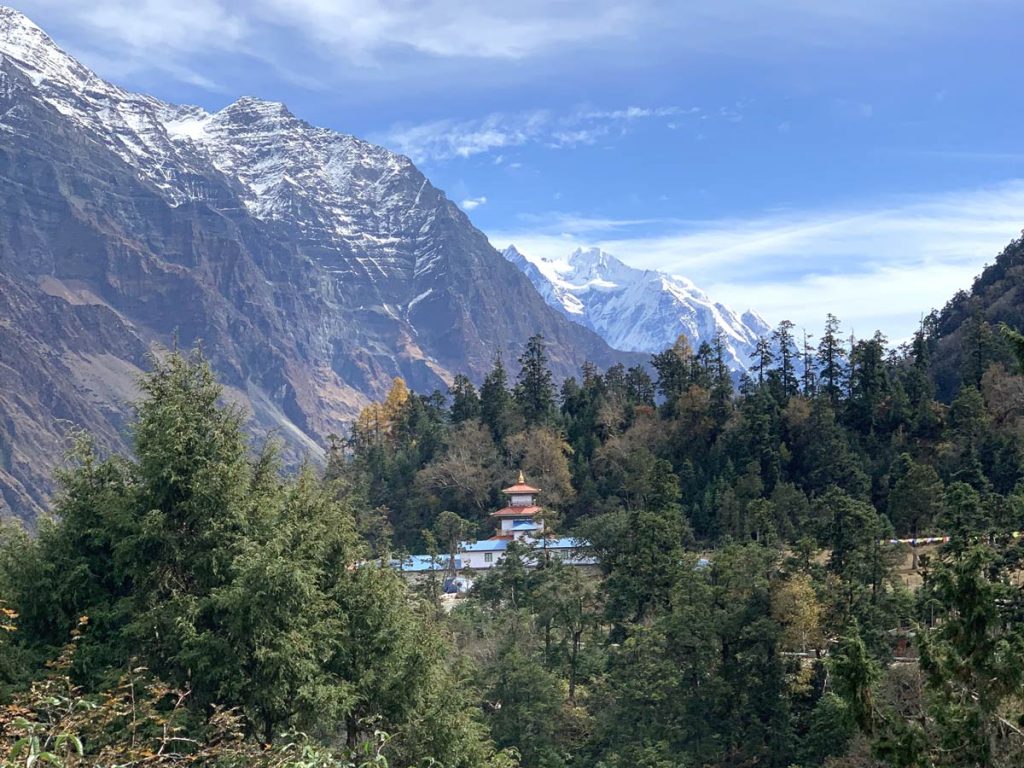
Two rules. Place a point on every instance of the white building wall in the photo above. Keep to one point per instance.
(479, 561)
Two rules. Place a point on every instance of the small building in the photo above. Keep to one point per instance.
(521, 520)
(483, 554)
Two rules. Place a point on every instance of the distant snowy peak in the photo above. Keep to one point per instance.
(638, 310)
(754, 321)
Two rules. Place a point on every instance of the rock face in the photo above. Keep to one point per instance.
(313, 267)
(640, 310)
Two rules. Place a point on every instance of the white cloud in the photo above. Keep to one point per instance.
(157, 24)
(473, 202)
(635, 113)
(877, 266)
(447, 139)
(161, 36)
(440, 140)
(369, 36)
(480, 30)
(122, 37)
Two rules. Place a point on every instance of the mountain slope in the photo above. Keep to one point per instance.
(964, 336)
(638, 309)
(312, 266)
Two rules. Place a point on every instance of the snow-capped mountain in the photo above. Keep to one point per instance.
(639, 310)
(313, 266)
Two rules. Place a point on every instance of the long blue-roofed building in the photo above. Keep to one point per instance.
(520, 522)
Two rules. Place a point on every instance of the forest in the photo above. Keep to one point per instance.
(195, 603)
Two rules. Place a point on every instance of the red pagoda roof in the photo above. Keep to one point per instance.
(520, 486)
(529, 511)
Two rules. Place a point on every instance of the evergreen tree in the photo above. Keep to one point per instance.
(808, 378)
(639, 387)
(721, 384)
(980, 348)
(535, 389)
(640, 550)
(675, 371)
(916, 497)
(831, 361)
(763, 358)
(496, 402)
(869, 386)
(786, 354)
(971, 709)
(465, 401)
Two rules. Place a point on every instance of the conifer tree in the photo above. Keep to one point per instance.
(675, 371)
(785, 347)
(808, 378)
(465, 401)
(496, 402)
(535, 390)
(763, 358)
(869, 386)
(721, 384)
(831, 365)
(915, 500)
(640, 387)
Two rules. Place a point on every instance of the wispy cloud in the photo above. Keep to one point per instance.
(122, 37)
(365, 36)
(354, 35)
(440, 140)
(636, 113)
(481, 30)
(473, 202)
(877, 266)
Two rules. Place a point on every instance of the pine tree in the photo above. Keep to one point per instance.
(831, 365)
(535, 390)
(980, 347)
(465, 401)
(763, 358)
(496, 402)
(869, 385)
(675, 371)
(785, 346)
(640, 387)
(809, 379)
(916, 497)
(721, 384)
(971, 660)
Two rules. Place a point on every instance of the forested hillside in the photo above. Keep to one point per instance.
(748, 609)
(964, 328)
(892, 427)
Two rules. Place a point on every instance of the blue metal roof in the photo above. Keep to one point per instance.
(487, 545)
(525, 525)
(561, 543)
(425, 563)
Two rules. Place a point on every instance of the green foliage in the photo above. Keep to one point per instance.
(201, 562)
(535, 390)
(747, 608)
(970, 710)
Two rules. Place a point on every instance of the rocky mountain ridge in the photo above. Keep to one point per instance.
(312, 266)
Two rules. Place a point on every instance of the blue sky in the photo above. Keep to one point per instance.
(795, 156)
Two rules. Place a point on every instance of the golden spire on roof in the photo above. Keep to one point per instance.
(522, 480)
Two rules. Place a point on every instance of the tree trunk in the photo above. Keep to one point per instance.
(573, 661)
